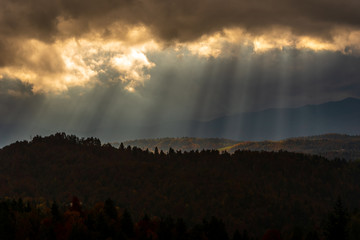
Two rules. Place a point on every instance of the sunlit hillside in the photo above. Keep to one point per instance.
(330, 146)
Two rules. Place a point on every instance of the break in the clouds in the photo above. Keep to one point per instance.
(59, 44)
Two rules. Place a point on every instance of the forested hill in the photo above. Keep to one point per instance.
(184, 143)
(330, 146)
(248, 190)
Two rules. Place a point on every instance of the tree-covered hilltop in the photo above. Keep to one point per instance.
(183, 143)
(248, 190)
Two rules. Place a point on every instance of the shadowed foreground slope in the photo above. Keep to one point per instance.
(249, 190)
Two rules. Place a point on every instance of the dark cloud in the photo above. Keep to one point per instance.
(15, 87)
(181, 20)
(8, 52)
(169, 21)
(32, 19)
(180, 88)
(187, 20)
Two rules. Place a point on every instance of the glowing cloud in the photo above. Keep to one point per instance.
(225, 42)
(58, 45)
(56, 66)
(131, 65)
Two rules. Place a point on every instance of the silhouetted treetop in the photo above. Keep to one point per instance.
(245, 188)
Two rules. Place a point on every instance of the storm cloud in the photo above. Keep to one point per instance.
(43, 40)
(180, 20)
(113, 68)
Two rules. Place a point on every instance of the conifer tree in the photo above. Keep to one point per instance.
(127, 224)
(337, 223)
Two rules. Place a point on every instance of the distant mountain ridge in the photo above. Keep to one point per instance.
(341, 117)
(332, 117)
(271, 124)
(330, 146)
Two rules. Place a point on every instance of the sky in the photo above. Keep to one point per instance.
(112, 68)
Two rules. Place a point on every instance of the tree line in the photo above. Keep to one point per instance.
(248, 190)
(105, 220)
